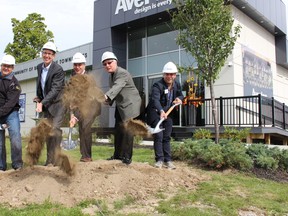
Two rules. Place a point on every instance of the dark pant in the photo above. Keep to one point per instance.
(54, 140)
(162, 139)
(123, 140)
(85, 137)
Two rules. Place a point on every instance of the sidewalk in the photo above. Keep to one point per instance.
(144, 142)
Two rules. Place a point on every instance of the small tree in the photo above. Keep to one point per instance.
(29, 37)
(205, 31)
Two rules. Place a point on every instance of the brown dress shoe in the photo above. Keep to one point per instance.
(86, 159)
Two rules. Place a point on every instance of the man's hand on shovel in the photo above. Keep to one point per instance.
(39, 107)
(163, 116)
(73, 120)
(70, 144)
(3, 126)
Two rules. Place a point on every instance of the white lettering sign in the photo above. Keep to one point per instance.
(142, 6)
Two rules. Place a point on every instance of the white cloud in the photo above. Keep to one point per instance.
(71, 21)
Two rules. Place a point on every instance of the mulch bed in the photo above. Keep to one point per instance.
(278, 176)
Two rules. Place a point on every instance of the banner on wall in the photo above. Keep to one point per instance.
(22, 103)
(257, 75)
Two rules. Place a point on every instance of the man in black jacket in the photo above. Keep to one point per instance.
(9, 106)
(50, 84)
(164, 94)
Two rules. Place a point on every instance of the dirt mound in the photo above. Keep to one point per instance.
(100, 180)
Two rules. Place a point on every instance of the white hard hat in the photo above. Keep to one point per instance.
(170, 67)
(50, 46)
(108, 55)
(78, 58)
(8, 59)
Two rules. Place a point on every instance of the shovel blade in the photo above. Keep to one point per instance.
(69, 144)
(157, 131)
(154, 130)
(66, 145)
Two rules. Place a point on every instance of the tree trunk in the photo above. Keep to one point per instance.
(214, 112)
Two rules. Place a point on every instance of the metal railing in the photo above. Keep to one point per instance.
(250, 111)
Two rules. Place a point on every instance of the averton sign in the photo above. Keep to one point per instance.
(139, 6)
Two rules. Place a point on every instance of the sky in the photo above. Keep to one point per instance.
(71, 21)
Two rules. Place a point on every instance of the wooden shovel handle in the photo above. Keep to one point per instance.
(171, 108)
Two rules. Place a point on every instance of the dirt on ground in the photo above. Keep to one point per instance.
(102, 180)
(99, 180)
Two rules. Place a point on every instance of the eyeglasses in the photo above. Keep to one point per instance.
(107, 63)
(7, 66)
(47, 53)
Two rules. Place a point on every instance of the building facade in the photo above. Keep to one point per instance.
(141, 35)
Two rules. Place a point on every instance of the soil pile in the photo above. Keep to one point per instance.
(100, 180)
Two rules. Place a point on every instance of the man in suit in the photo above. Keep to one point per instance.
(164, 94)
(85, 119)
(50, 84)
(128, 104)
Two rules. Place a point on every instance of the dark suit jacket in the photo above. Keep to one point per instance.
(159, 100)
(124, 92)
(54, 85)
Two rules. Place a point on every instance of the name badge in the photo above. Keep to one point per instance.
(166, 91)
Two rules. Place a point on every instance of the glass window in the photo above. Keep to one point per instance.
(155, 63)
(136, 43)
(187, 60)
(161, 38)
(137, 66)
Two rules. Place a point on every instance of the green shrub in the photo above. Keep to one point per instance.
(256, 149)
(264, 157)
(202, 133)
(179, 151)
(204, 151)
(235, 134)
(235, 155)
(212, 155)
(230, 154)
(266, 162)
(283, 160)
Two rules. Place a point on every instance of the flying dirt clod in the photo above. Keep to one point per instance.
(38, 136)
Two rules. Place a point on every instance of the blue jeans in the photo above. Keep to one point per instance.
(162, 139)
(12, 120)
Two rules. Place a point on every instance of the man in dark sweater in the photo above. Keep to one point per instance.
(9, 106)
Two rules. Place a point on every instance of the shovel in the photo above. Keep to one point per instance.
(37, 115)
(157, 129)
(36, 118)
(69, 144)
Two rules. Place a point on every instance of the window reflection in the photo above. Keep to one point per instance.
(161, 38)
(136, 43)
